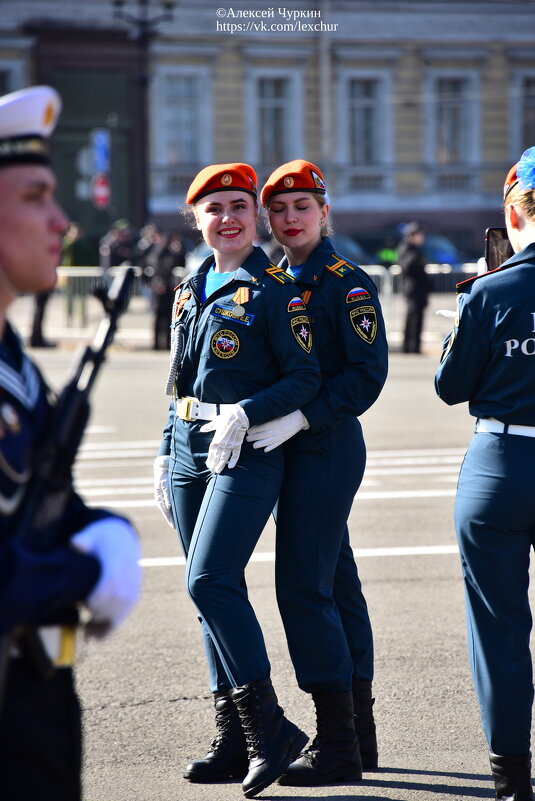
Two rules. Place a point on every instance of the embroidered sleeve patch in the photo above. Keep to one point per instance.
(302, 331)
(356, 294)
(279, 274)
(296, 304)
(364, 321)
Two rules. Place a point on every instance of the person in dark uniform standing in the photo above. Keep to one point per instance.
(487, 361)
(415, 283)
(242, 354)
(318, 588)
(97, 564)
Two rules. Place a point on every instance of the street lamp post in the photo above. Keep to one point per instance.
(143, 26)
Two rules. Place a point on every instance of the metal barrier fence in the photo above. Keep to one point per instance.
(76, 285)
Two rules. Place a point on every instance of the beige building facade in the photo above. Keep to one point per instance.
(411, 109)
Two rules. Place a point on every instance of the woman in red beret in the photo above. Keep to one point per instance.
(241, 355)
(318, 588)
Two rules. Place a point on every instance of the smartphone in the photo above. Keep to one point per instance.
(497, 247)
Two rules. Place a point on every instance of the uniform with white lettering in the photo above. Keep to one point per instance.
(489, 361)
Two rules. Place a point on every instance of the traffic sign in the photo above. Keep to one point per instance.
(100, 142)
(100, 191)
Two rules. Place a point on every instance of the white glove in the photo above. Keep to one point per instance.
(162, 487)
(230, 427)
(481, 266)
(273, 433)
(116, 545)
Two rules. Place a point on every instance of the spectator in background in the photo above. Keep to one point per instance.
(117, 245)
(76, 251)
(387, 255)
(415, 283)
(165, 264)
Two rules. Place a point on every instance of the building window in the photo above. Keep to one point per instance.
(363, 131)
(452, 121)
(273, 99)
(364, 121)
(182, 131)
(273, 112)
(528, 112)
(452, 133)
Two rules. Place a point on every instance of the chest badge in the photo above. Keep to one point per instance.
(225, 344)
(302, 332)
(364, 322)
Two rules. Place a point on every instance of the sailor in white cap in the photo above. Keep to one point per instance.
(40, 727)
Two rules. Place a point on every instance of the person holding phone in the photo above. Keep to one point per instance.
(242, 355)
(487, 361)
(319, 592)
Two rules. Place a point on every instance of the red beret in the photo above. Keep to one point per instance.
(295, 176)
(221, 177)
(510, 181)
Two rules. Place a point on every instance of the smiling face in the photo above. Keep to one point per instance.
(31, 229)
(296, 219)
(227, 221)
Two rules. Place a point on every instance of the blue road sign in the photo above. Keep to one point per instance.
(100, 147)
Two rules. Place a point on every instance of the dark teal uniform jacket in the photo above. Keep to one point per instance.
(249, 342)
(318, 587)
(489, 361)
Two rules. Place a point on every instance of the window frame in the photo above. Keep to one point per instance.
(344, 78)
(159, 117)
(293, 145)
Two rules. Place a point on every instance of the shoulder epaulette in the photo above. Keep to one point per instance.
(462, 286)
(280, 275)
(339, 267)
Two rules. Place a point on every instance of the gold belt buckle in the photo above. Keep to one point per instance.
(184, 409)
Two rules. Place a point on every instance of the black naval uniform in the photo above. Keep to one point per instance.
(40, 727)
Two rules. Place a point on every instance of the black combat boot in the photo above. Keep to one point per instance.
(334, 755)
(227, 758)
(272, 740)
(364, 723)
(512, 777)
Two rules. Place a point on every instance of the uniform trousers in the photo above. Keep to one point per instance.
(495, 523)
(40, 737)
(319, 592)
(219, 520)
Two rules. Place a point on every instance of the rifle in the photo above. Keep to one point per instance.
(50, 486)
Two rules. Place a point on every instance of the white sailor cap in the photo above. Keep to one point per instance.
(27, 118)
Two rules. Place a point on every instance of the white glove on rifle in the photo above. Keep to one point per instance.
(229, 427)
(273, 433)
(116, 545)
(162, 488)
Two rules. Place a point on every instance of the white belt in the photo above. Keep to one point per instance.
(492, 426)
(59, 643)
(192, 409)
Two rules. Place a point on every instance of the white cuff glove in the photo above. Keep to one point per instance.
(116, 545)
(162, 489)
(229, 427)
(273, 433)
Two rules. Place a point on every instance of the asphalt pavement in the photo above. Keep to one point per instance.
(147, 708)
